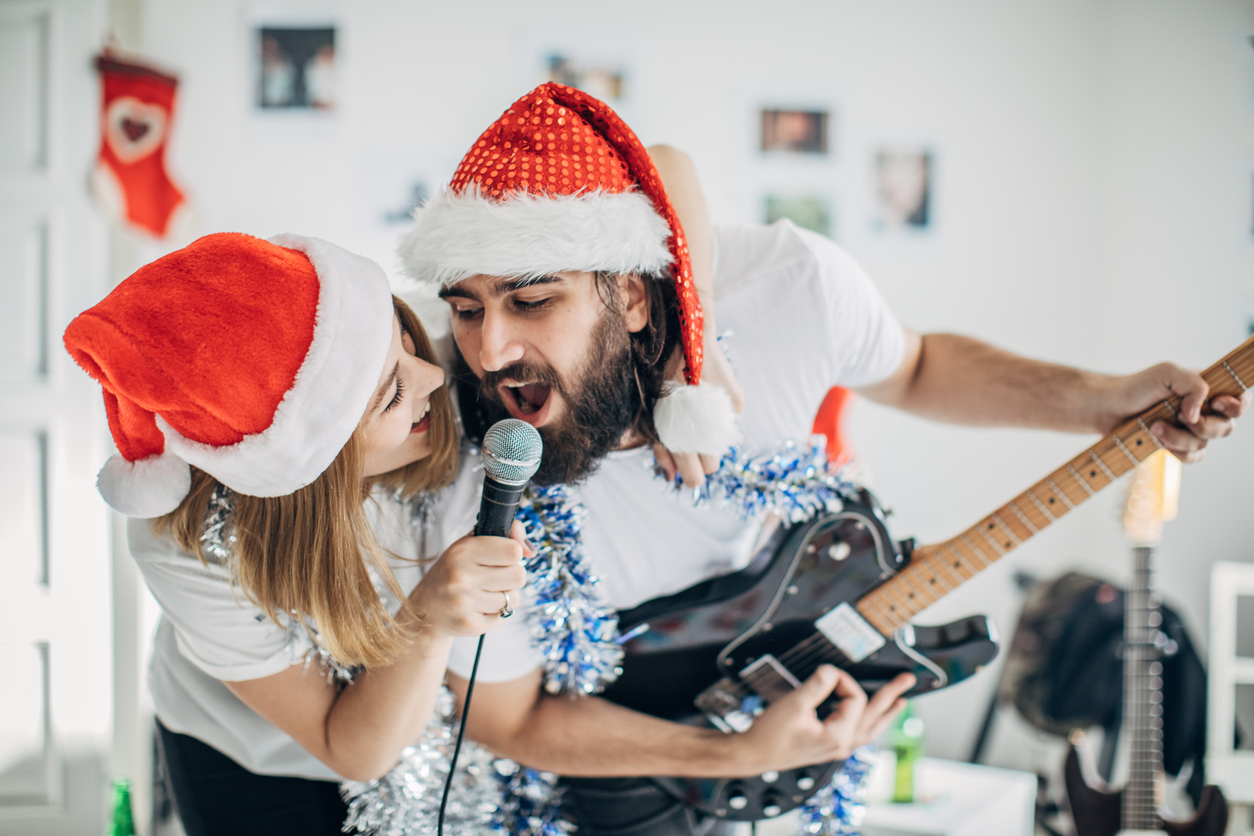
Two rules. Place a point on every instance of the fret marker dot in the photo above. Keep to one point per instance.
(1007, 544)
(990, 526)
(1092, 473)
(1138, 442)
(911, 595)
(955, 564)
(1051, 500)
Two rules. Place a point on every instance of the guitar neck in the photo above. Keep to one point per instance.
(939, 569)
(1142, 712)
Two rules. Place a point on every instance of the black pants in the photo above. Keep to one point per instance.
(215, 796)
(631, 807)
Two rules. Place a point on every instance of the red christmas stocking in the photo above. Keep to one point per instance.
(130, 177)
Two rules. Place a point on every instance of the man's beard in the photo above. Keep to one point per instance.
(602, 403)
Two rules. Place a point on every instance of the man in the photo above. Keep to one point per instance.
(572, 305)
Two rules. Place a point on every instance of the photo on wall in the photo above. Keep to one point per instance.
(795, 132)
(808, 211)
(904, 189)
(602, 61)
(295, 67)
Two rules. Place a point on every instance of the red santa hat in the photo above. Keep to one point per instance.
(560, 182)
(252, 360)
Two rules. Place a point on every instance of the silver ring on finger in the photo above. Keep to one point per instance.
(507, 610)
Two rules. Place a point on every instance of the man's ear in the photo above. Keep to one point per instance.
(636, 308)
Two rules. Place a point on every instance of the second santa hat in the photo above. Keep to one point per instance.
(560, 183)
(252, 360)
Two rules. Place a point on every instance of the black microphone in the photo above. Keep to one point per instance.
(511, 456)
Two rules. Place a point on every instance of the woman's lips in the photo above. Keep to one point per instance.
(422, 426)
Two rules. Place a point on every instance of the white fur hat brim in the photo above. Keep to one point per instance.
(462, 234)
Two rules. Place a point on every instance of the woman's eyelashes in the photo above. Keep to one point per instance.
(398, 397)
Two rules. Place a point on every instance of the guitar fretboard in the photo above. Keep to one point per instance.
(1142, 712)
(939, 569)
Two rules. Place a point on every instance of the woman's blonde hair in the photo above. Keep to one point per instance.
(308, 554)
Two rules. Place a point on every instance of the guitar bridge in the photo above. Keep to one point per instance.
(727, 709)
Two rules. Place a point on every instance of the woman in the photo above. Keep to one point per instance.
(280, 388)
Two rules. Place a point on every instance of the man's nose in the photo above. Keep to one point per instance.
(498, 347)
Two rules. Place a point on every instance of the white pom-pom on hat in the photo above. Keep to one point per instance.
(147, 488)
(696, 419)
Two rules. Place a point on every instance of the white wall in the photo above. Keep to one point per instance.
(1094, 200)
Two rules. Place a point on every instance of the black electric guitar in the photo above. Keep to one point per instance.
(840, 590)
(1134, 809)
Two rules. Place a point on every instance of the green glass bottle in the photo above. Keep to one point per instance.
(906, 738)
(123, 820)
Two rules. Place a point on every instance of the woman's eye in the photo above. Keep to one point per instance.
(397, 398)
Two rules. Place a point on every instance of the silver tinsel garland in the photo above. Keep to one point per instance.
(405, 802)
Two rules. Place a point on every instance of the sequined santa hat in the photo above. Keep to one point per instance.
(560, 183)
(252, 360)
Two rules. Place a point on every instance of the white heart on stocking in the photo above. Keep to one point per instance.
(133, 128)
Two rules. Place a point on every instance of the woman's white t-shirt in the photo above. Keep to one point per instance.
(209, 632)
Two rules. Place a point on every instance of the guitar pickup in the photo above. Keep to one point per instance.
(770, 679)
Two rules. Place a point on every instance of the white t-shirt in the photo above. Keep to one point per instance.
(804, 318)
(209, 632)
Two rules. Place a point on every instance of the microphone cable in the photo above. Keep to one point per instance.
(461, 730)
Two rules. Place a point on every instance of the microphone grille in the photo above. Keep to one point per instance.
(512, 451)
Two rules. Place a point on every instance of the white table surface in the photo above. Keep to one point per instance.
(959, 799)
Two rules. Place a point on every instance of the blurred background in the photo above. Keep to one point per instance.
(1069, 179)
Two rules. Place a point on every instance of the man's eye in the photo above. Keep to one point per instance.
(531, 304)
(467, 314)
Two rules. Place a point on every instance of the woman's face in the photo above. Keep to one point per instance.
(394, 430)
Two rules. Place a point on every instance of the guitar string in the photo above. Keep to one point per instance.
(812, 649)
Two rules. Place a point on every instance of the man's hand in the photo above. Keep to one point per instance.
(789, 733)
(1199, 420)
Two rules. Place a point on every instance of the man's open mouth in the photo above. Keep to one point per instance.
(526, 400)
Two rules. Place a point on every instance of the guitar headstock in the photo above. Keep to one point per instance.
(1153, 495)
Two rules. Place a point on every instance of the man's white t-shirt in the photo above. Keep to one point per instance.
(803, 317)
(210, 633)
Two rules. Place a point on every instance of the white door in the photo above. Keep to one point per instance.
(55, 642)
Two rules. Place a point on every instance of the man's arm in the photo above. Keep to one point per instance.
(592, 736)
(956, 379)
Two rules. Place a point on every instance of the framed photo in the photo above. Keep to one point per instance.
(904, 183)
(602, 61)
(295, 67)
(808, 211)
(802, 132)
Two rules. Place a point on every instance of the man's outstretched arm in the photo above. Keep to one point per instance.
(594, 737)
(959, 380)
